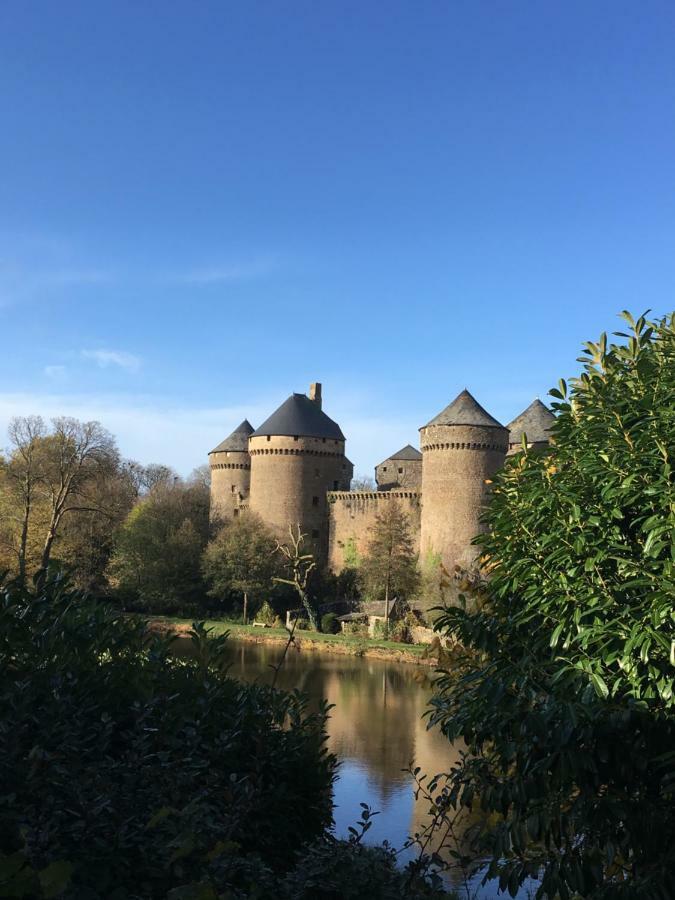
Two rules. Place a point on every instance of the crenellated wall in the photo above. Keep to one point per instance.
(351, 516)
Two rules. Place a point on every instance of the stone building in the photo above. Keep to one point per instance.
(293, 470)
(400, 470)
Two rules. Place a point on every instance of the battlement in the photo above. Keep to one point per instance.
(334, 496)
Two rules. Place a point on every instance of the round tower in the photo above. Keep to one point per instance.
(230, 466)
(297, 456)
(462, 448)
(534, 424)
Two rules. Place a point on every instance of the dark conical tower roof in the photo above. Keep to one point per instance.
(302, 417)
(465, 410)
(237, 441)
(535, 422)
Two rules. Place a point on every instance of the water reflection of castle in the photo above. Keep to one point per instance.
(376, 727)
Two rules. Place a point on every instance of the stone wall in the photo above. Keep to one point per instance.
(351, 516)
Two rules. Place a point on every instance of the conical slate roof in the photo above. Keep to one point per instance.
(238, 440)
(407, 452)
(465, 410)
(535, 422)
(302, 417)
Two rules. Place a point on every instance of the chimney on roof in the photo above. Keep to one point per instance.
(315, 393)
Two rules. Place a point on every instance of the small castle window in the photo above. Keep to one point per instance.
(269, 437)
(295, 437)
(315, 501)
(234, 488)
(384, 468)
(400, 471)
(235, 512)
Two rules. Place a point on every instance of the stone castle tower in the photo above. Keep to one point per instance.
(534, 424)
(297, 456)
(462, 448)
(292, 470)
(230, 466)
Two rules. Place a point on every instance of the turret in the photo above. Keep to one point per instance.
(230, 466)
(297, 455)
(462, 448)
(535, 424)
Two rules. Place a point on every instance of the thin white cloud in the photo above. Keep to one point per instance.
(106, 358)
(56, 373)
(218, 274)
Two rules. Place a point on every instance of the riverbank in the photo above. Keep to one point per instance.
(309, 641)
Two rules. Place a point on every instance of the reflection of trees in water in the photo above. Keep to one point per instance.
(378, 715)
(377, 704)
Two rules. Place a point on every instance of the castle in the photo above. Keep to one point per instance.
(293, 470)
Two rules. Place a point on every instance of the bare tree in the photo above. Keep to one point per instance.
(76, 452)
(363, 483)
(24, 474)
(301, 566)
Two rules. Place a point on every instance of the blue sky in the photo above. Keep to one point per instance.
(205, 206)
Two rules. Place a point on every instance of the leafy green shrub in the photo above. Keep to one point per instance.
(329, 623)
(564, 692)
(266, 614)
(142, 771)
(357, 628)
(348, 870)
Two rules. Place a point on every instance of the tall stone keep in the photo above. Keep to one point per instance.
(462, 448)
(297, 456)
(230, 467)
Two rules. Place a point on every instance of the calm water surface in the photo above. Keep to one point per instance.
(375, 729)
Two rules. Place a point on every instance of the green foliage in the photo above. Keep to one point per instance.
(157, 556)
(357, 628)
(128, 772)
(348, 870)
(352, 558)
(266, 614)
(241, 559)
(329, 623)
(564, 694)
(389, 568)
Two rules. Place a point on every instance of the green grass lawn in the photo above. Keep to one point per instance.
(219, 626)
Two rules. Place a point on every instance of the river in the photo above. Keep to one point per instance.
(376, 729)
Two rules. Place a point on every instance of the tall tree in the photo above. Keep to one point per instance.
(24, 472)
(389, 567)
(158, 549)
(76, 453)
(241, 558)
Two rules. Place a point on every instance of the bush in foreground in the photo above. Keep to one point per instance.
(565, 698)
(128, 773)
(134, 772)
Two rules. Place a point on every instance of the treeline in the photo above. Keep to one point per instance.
(142, 535)
(66, 496)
